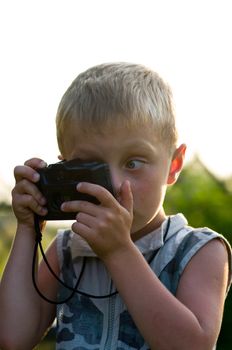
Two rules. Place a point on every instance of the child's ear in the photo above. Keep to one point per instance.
(176, 164)
(60, 157)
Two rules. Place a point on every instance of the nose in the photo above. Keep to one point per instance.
(116, 179)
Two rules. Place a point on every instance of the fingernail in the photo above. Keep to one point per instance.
(42, 164)
(79, 185)
(36, 177)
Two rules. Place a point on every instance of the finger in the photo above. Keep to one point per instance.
(26, 187)
(87, 220)
(34, 205)
(35, 163)
(80, 206)
(25, 172)
(28, 170)
(83, 230)
(26, 202)
(97, 191)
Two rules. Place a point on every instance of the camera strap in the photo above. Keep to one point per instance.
(38, 244)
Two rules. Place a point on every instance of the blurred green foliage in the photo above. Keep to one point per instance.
(204, 199)
(198, 194)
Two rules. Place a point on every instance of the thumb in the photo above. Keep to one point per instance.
(126, 197)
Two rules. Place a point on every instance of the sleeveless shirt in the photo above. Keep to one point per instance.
(88, 321)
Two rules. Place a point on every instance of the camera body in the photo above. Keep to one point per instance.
(58, 183)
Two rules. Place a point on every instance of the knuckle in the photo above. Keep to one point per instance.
(109, 216)
(31, 202)
(28, 161)
(32, 161)
(83, 205)
(24, 182)
(17, 172)
(35, 206)
(13, 192)
(101, 226)
(79, 216)
(16, 169)
(16, 197)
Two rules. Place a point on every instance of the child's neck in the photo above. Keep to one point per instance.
(151, 226)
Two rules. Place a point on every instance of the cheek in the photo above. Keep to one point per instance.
(148, 193)
(141, 191)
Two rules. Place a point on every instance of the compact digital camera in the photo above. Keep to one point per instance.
(58, 183)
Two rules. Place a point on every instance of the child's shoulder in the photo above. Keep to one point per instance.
(182, 243)
(182, 237)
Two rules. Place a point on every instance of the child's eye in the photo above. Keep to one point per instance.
(134, 164)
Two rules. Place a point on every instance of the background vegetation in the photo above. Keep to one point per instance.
(204, 200)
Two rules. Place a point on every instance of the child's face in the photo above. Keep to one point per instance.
(133, 155)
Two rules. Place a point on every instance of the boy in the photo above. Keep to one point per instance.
(145, 281)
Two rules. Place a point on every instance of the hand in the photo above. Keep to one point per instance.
(26, 198)
(106, 227)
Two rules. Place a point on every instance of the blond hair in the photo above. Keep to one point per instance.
(118, 92)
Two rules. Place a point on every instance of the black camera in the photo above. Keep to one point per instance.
(58, 184)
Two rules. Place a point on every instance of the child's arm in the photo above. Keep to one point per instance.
(190, 321)
(24, 315)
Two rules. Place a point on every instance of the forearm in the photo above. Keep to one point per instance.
(164, 322)
(19, 302)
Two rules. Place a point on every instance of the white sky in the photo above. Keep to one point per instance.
(46, 43)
